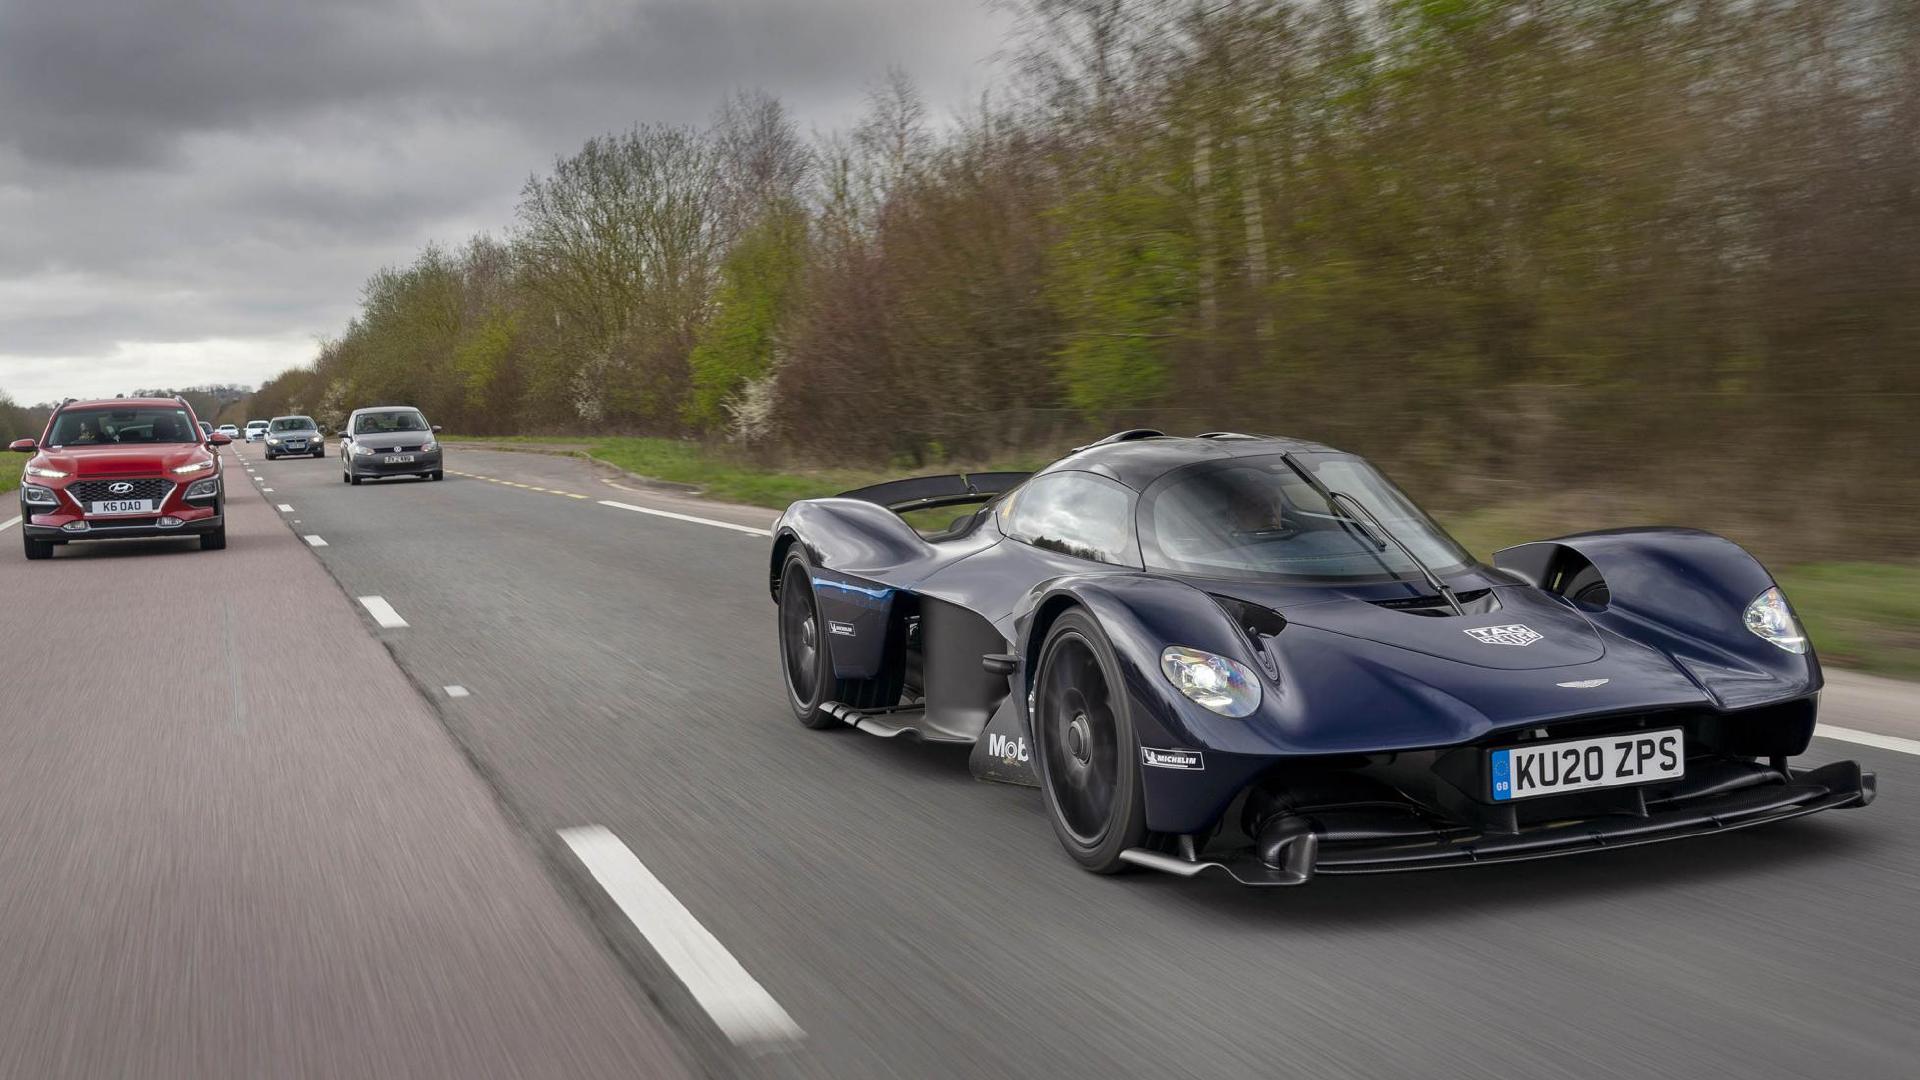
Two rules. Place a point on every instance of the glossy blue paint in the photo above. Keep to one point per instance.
(1346, 678)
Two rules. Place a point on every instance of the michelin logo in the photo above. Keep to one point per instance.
(1173, 759)
(843, 629)
(1010, 751)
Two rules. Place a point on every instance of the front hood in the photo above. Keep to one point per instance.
(83, 462)
(1527, 630)
(1342, 694)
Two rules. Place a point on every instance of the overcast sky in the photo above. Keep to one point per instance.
(193, 190)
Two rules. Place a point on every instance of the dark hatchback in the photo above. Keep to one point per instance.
(389, 441)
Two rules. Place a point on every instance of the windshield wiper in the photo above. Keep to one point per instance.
(1433, 579)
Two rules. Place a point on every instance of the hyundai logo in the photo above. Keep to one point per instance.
(121, 488)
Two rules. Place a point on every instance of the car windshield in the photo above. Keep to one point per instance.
(110, 427)
(291, 423)
(382, 423)
(1261, 518)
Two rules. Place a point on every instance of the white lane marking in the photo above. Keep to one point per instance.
(267, 491)
(1869, 738)
(314, 541)
(741, 1007)
(382, 612)
(285, 509)
(687, 517)
(8, 524)
(456, 691)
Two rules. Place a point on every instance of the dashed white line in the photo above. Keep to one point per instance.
(687, 517)
(285, 509)
(8, 524)
(739, 1005)
(314, 541)
(382, 612)
(456, 691)
(267, 491)
(1868, 738)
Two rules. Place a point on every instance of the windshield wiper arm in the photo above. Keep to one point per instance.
(1433, 579)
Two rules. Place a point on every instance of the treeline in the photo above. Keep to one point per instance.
(1516, 249)
(19, 421)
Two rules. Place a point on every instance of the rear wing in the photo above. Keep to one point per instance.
(932, 492)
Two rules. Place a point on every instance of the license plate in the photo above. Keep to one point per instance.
(296, 446)
(397, 459)
(1640, 757)
(124, 506)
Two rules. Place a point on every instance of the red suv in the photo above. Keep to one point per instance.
(112, 470)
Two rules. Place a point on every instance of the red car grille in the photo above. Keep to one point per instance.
(88, 491)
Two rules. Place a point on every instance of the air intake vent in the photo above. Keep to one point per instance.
(1475, 601)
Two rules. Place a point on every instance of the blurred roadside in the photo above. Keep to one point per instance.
(1862, 613)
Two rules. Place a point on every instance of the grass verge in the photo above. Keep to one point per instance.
(718, 475)
(1861, 615)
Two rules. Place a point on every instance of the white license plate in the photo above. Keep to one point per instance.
(1639, 757)
(397, 459)
(124, 506)
(296, 446)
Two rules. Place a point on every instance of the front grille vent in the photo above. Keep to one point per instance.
(88, 491)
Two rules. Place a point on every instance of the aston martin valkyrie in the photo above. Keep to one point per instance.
(1257, 656)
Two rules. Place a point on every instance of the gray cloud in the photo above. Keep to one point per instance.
(229, 171)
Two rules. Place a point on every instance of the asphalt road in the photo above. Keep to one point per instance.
(235, 842)
(618, 670)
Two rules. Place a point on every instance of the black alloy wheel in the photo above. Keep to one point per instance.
(1088, 754)
(803, 646)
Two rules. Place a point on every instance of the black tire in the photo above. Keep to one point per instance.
(215, 540)
(354, 479)
(1085, 747)
(437, 474)
(806, 668)
(37, 549)
(269, 457)
(319, 453)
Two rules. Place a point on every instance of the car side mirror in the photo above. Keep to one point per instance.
(437, 429)
(23, 446)
(217, 439)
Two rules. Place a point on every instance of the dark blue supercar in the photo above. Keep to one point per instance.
(1257, 655)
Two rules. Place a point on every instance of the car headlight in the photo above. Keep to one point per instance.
(1770, 617)
(360, 451)
(273, 440)
(1225, 686)
(45, 473)
(38, 496)
(201, 489)
(429, 446)
(193, 467)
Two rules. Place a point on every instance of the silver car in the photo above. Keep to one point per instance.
(294, 436)
(392, 440)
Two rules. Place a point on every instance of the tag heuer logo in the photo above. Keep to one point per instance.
(1511, 634)
(121, 488)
